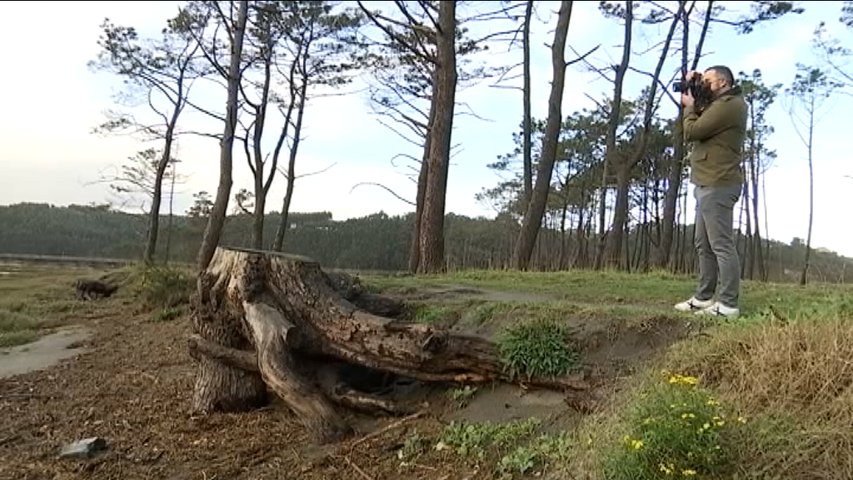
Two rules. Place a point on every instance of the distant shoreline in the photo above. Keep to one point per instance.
(63, 259)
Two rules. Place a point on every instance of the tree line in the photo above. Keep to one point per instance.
(373, 242)
(597, 188)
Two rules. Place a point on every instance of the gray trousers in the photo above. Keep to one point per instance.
(719, 264)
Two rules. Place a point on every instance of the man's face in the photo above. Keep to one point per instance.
(713, 81)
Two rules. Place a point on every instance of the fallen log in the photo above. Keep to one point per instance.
(264, 320)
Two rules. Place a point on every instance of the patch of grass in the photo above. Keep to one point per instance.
(11, 321)
(168, 314)
(674, 429)
(588, 288)
(537, 349)
(17, 337)
(789, 379)
(433, 314)
(21, 323)
(37, 297)
(798, 371)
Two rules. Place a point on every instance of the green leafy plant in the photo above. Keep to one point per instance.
(461, 396)
(474, 439)
(543, 451)
(676, 429)
(538, 348)
(414, 445)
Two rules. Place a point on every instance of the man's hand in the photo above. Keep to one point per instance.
(687, 99)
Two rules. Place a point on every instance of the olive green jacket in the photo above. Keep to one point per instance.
(717, 134)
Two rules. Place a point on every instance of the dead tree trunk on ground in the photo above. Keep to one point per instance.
(263, 319)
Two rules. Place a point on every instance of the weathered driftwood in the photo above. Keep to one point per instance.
(263, 319)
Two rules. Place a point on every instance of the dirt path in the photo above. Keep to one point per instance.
(43, 353)
(132, 385)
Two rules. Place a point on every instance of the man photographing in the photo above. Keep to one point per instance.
(717, 128)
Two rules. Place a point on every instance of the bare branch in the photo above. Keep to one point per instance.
(659, 82)
(392, 192)
(389, 127)
(582, 58)
(471, 112)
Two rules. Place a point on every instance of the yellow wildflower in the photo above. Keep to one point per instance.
(667, 469)
(711, 402)
(637, 444)
(741, 419)
(683, 379)
(687, 472)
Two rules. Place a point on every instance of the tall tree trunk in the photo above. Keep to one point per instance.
(610, 141)
(624, 166)
(283, 225)
(216, 220)
(746, 256)
(171, 216)
(580, 256)
(535, 209)
(757, 248)
(258, 167)
(157, 197)
(664, 256)
(258, 220)
(526, 133)
(804, 274)
(414, 247)
(620, 214)
(431, 256)
(766, 227)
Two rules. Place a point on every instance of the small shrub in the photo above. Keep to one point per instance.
(675, 429)
(538, 348)
(164, 287)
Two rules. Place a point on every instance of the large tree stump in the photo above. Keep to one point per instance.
(267, 320)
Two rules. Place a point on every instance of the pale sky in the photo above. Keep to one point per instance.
(52, 100)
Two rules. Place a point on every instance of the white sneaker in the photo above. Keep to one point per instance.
(719, 310)
(693, 304)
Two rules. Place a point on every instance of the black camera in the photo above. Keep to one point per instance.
(694, 86)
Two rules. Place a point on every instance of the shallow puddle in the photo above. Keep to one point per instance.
(43, 353)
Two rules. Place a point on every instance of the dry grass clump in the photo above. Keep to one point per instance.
(790, 378)
(796, 381)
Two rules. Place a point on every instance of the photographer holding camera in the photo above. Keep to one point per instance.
(714, 120)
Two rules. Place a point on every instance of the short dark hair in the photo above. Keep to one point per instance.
(725, 72)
